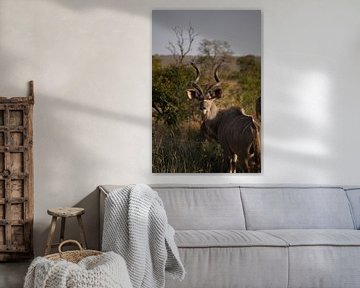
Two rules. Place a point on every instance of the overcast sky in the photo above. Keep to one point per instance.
(240, 28)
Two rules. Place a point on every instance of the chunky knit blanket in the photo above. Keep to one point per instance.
(136, 227)
(102, 271)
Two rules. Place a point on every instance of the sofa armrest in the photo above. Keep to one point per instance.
(103, 195)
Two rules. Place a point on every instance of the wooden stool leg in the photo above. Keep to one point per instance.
(82, 232)
(51, 235)
(62, 231)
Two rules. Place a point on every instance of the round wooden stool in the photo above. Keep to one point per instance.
(64, 213)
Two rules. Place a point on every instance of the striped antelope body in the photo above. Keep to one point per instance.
(236, 132)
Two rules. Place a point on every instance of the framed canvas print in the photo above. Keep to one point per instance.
(206, 91)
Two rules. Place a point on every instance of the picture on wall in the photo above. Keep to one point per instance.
(206, 91)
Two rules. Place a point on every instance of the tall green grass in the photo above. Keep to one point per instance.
(184, 150)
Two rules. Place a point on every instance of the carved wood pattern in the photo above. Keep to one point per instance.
(16, 177)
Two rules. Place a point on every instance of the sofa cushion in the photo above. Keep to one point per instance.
(322, 258)
(204, 208)
(191, 207)
(226, 238)
(324, 266)
(296, 208)
(220, 267)
(317, 237)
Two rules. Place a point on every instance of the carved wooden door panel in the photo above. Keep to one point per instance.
(16, 177)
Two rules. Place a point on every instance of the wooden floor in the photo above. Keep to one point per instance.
(12, 274)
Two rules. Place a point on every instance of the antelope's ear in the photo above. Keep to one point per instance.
(218, 93)
(192, 94)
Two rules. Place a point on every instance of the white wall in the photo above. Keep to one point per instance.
(90, 61)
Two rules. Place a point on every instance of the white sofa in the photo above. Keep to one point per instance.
(264, 236)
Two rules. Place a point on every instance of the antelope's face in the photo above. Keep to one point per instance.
(205, 94)
(205, 100)
(205, 106)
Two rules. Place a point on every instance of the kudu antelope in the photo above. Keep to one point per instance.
(236, 132)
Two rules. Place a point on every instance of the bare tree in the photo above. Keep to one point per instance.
(215, 51)
(183, 44)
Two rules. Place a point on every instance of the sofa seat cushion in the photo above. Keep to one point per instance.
(317, 237)
(226, 238)
(235, 267)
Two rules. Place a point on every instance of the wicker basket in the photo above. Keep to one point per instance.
(72, 256)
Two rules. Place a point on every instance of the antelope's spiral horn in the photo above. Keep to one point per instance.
(197, 72)
(216, 73)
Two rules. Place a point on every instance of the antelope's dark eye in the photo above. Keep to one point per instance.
(211, 94)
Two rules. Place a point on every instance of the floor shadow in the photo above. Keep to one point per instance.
(12, 274)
